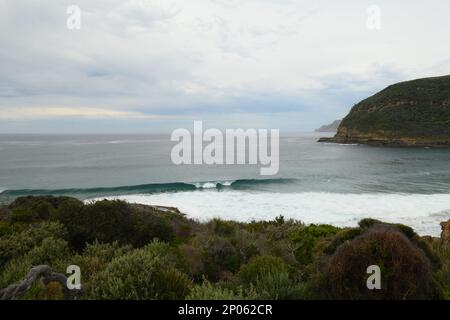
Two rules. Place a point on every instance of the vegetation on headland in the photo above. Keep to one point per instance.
(128, 251)
(411, 113)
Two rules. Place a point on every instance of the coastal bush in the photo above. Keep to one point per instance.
(108, 221)
(140, 274)
(50, 252)
(17, 244)
(330, 245)
(171, 284)
(192, 259)
(8, 227)
(406, 230)
(250, 244)
(209, 291)
(273, 286)
(113, 243)
(96, 257)
(442, 275)
(367, 223)
(278, 242)
(105, 221)
(22, 215)
(39, 208)
(306, 239)
(269, 277)
(35, 201)
(268, 238)
(278, 222)
(259, 267)
(42, 209)
(223, 228)
(5, 228)
(405, 269)
(153, 227)
(219, 254)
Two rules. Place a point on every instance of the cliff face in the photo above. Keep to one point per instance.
(332, 127)
(412, 113)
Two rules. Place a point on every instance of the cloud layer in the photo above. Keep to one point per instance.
(153, 65)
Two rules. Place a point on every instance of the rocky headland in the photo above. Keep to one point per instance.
(408, 114)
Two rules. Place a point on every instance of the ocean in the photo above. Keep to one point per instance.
(316, 183)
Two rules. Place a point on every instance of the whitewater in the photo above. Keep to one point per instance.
(423, 212)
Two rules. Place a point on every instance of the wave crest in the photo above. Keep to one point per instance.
(239, 184)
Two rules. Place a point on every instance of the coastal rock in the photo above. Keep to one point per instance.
(445, 235)
(332, 127)
(408, 114)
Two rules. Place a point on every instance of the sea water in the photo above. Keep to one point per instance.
(316, 183)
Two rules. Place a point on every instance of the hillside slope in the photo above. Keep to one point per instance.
(412, 113)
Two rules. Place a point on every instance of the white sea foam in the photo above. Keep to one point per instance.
(420, 211)
(212, 185)
(206, 185)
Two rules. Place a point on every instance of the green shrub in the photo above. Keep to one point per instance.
(306, 239)
(273, 285)
(269, 277)
(250, 244)
(153, 227)
(8, 228)
(33, 201)
(193, 261)
(171, 284)
(279, 259)
(37, 207)
(223, 228)
(208, 291)
(108, 221)
(259, 267)
(219, 254)
(138, 275)
(330, 246)
(280, 221)
(407, 231)
(17, 244)
(50, 252)
(42, 209)
(442, 275)
(95, 258)
(5, 228)
(22, 215)
(405, 269)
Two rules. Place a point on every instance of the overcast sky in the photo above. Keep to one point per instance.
(156, 65)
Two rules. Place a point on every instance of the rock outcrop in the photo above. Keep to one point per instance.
(445, 235)
(412, 114)
(332, 127)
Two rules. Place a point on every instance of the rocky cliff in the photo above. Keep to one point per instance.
(332, 127)
(412, 113)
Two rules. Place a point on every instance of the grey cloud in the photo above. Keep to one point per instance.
(280, 61)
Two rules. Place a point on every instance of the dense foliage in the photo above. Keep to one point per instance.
(128, 251)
